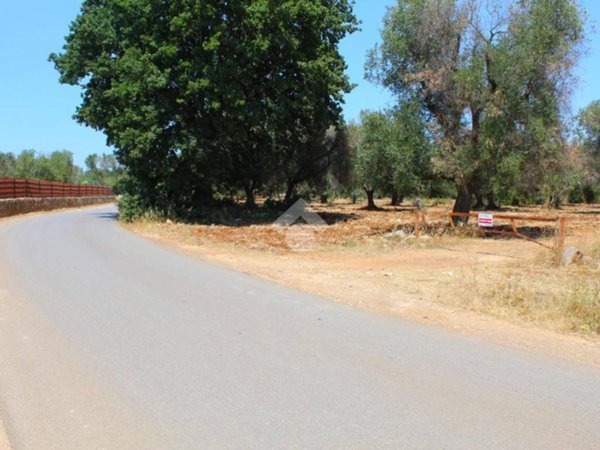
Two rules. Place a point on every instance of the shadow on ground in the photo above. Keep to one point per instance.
(112, 216)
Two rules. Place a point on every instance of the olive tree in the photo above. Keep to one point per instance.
(393, 153)
(492, 78)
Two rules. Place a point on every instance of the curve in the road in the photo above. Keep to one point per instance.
(112, 341)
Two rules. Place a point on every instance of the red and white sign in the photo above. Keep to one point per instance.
(485, 220)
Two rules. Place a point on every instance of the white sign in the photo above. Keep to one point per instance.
(485, 220)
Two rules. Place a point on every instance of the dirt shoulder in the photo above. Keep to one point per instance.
(459, 284)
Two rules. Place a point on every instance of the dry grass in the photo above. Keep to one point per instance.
(534, 290)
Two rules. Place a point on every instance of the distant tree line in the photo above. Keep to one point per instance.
(59, 166)
(207, 101)
(103, 170)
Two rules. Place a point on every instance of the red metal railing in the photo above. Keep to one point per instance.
(26, 188)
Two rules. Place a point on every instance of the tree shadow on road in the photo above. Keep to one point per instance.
(111, 216)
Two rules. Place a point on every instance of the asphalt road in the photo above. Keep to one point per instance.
(110, 341)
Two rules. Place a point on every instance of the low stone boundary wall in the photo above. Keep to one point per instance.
(13, 207)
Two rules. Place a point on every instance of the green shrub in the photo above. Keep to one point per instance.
(131, 208)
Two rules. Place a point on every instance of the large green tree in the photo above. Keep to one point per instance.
(394, 152)
(589, 123)
(102, 169)
(7, 164)
(589, 145)
(492, 77)
(60, 167)
(197, 95)
(316, 160)
(26, 165)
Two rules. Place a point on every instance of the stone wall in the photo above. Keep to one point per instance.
(13, 207)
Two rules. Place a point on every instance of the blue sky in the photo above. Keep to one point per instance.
(36, 112)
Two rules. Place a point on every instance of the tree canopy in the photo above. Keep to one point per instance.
(492, 78)
(589, 129)
(393, 153)
(102, 169)
(205, 95)
(589, 122)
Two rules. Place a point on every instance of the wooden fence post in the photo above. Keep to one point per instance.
(417, 225)
(560, 239)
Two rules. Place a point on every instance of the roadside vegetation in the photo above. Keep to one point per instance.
(535, 290)
(567, 300)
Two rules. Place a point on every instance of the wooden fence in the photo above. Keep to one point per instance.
(26, 188)
(559, 221)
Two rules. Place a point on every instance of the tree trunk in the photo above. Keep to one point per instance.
(201, 197)
(370, 198)
(462, 203)
(491, 202)
(250, 201)
(289, 193)
(395, 198)
(479, 204)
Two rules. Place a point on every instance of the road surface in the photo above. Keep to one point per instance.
(111, 341)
